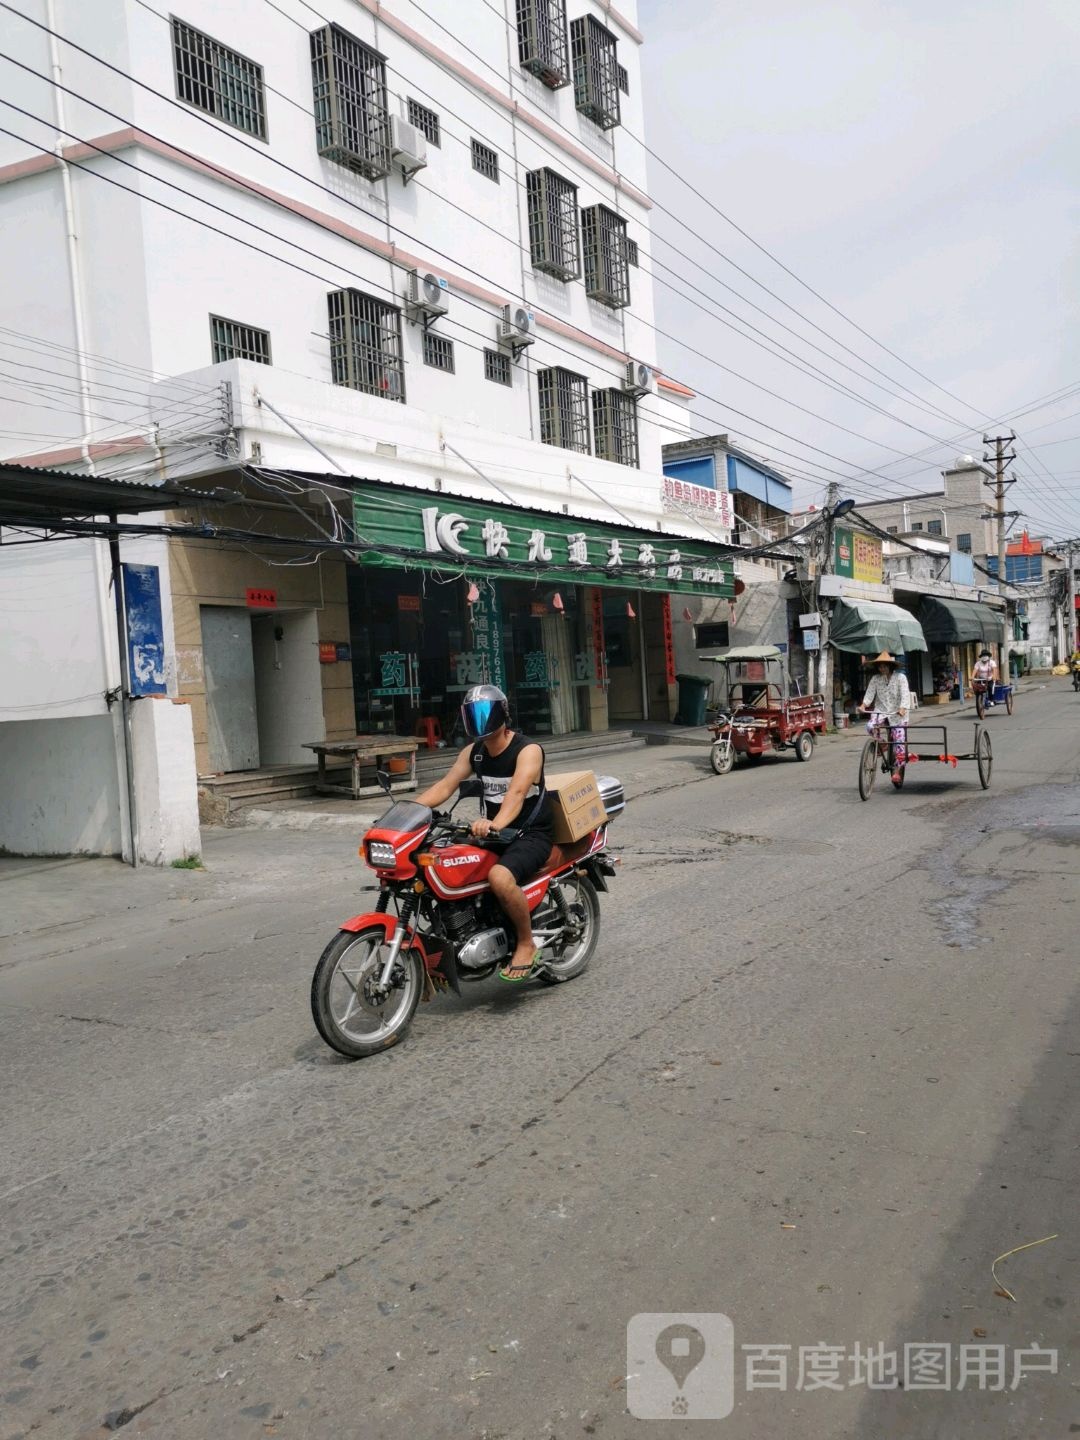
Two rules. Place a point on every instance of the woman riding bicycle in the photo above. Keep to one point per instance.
(888, 698)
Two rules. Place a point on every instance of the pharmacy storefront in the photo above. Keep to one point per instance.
(571, 617)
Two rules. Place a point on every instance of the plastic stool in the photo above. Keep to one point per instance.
(430, 728)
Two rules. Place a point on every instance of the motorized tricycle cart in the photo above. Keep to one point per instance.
(756, 713)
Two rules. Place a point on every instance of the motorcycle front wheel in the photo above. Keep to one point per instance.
(722, 756)
(567, 959)
(348, 1012)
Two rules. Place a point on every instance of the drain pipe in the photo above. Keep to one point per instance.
(74, 263)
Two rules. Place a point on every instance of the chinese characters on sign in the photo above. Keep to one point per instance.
(714, 504)
(398, 674)
(487, 638)
(599, 658)
(857, 557)
(537, 671)
(261, 599)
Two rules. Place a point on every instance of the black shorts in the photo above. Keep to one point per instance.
(526, 856)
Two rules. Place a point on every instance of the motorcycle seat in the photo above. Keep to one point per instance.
(566, 854)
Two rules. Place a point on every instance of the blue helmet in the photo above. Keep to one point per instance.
(484, 710)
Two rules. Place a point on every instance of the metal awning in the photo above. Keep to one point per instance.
(744, 652)
(28, 494)
(868, 626)
(958, 622)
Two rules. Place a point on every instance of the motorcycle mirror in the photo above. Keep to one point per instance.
(383, 777)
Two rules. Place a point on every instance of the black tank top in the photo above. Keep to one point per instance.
(495, 773)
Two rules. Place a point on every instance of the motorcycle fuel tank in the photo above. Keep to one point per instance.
(460, 867)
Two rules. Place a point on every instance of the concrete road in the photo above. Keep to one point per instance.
(822, 1072)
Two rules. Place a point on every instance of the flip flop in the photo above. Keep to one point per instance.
(518, 979)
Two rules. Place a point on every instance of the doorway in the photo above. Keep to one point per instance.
(263, 687)
(625, 660)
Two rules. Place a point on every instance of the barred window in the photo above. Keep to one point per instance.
(485, 160)
(233, 341)
(553, 224)
(607, 275)
(352, 121)
(365, 344)
(633, 256)
(497, 367)
(438, 351)
(624, 78)
(542, 43)
(218, 80)
(426, 121)
(594, 51)
(564, 409)
(615, 427)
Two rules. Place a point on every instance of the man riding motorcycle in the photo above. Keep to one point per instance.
(511, 769)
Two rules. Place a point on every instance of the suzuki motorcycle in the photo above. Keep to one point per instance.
(436, 924)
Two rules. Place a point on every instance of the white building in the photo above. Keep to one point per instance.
(384, 244)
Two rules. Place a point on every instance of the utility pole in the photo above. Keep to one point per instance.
(825, 608)
(1070, 602)
(1000, 484)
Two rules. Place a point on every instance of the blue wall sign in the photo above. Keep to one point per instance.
(145, 632)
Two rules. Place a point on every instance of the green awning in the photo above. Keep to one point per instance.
(958, 622)
(869, 626)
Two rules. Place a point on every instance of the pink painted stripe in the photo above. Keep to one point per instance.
(386, 250)
(627, 25)
(506, 102)
(101, 450)
(673, 385)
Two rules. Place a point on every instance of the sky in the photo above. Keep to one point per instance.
(917, 163)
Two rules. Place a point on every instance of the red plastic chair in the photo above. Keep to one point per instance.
(431, 730)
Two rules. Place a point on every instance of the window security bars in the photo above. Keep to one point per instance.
(624, 78)
(594, 51)
(352, 121)
(615, 427)
(438, 352)
(542, 42)
(553, 224)
(633, 256)
(233, 341)
(607, 267)
(497, 367)
(427, 122)
(365, 344)
(485, 160)
(218, 80)
(564, 409)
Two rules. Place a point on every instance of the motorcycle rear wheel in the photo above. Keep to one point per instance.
(348, 1017)
(571, 960)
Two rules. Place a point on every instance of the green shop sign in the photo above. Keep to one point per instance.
(439, 532)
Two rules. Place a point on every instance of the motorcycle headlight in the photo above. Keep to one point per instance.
(381, 856)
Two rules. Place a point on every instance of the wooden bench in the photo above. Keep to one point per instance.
(363, 750)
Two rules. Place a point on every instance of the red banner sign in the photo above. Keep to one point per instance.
(669, 640)
(598, 636)
(408, 602)
(327, 652)
(261, 599)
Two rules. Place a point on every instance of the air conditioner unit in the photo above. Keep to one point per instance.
(516, 328)
(639, 379)
(408, 146)
(427, 297)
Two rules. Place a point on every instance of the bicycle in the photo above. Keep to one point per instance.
(880, 747)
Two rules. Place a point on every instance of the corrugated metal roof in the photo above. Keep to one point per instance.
(28, 493)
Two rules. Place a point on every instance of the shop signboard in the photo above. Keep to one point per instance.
(857, 557)
(714, 506)
(145, 632)
(669, 640)
(538, 674)
(400, 528)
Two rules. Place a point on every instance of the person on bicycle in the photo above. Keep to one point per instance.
(511, 770)
(888, 698)
(985, 671)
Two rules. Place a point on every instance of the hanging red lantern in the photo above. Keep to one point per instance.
(631, 611)
(473, 595)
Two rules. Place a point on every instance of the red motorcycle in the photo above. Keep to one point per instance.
(436, 924)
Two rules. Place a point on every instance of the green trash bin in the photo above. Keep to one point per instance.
(693, 693)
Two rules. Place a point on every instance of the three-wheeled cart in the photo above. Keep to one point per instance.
(878, 754)
(757, 714)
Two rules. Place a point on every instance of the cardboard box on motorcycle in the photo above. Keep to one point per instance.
(576, 805)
